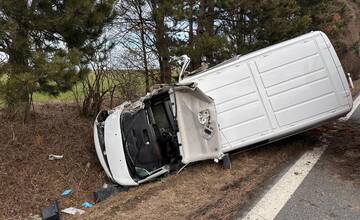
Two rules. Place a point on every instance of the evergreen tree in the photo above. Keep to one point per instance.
(47, 43)
(160, 11)
(253, 26)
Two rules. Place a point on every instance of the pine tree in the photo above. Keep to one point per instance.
(252, 26)
(160, 10)
(47, 44)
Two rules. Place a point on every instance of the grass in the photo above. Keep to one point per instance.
(39, 97)
(63, 97)
(68, 96)
(44, 98)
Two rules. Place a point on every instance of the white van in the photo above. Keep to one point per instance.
(256, 98)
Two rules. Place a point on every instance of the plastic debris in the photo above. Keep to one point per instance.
(106, 192)
(55, 157)
(73, 211)
(51, 212)
(87, 205)
(34, 217)
(66, 192)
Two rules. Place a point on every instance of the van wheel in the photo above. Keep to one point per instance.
(226, 161)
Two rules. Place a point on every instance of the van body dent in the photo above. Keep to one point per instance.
(260, 97)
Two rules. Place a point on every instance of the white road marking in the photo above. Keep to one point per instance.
(356, 104)
(273, 201)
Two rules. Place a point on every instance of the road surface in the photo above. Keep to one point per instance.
(331, 190)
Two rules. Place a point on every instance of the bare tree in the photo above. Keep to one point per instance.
(127, 79)
(94, 86)
(136, 36)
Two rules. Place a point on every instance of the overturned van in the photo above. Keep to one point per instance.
(257, 98)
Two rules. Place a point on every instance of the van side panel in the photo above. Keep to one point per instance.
(238, 102)
(277, 91)
(294, 96)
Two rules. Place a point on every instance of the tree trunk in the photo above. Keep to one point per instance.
(205, 29)
(143, 48)
(17, 95)
(161, 38)
(191, 29)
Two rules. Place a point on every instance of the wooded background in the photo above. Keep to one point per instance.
(105, 49)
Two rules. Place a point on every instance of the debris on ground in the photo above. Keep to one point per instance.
(29, 181)
(55, 157)
(73, 211)
(106, 192)
(87, 205)
(66, 192)
(34, 217)
(51, 212)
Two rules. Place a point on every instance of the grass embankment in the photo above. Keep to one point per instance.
(29, 181)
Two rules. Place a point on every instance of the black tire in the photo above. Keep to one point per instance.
(226, 161)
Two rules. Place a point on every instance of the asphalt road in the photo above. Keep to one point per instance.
(355, 117)
(331, 190)
(324, 194)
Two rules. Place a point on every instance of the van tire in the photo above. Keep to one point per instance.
(226, 161)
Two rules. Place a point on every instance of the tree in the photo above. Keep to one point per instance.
(160, 10)
(135, 32)
(201, 37)
(92, 89)
(252, 26)
(47, 43)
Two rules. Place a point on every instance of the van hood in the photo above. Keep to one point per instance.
(109, 147)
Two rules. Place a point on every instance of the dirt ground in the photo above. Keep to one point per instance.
(204, 190)
(343, 152)
(28, 180)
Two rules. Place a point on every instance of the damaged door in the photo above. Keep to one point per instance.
(196, 116)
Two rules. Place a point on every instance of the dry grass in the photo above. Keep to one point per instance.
(202, 191)
(28, 180)
(205, 190)
(343, 154)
